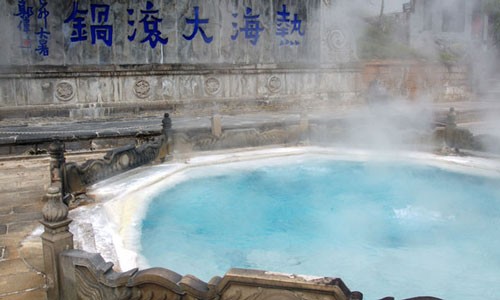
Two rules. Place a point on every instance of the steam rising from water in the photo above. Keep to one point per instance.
(392, 125)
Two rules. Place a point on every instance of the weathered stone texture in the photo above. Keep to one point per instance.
(229, 44)
(89, 79)
(315, 65)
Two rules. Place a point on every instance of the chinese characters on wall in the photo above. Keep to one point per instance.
(24, 14)
(93, 23)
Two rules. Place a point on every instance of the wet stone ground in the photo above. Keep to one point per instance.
(22, 186)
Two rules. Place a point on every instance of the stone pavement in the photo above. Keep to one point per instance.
(22, 186)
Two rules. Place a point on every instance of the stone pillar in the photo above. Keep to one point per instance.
(304, 128)
(57, 161)
(450, 131)
(55, 239)
(166, 147)
(216, 125)
(166, 123)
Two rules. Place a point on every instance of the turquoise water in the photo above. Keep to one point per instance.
(385, 229)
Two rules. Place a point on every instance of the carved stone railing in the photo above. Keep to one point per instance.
(88, 276)
(73, 178)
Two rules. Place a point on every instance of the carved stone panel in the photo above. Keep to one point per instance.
(212, 86)
(190, 86)
(335, 39)
(274, 84)
(168, 90)
(142, 88)
(338, 45)
(64, 90)
(244, 284)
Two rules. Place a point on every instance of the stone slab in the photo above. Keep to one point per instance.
(38, 294)
(20, 282)
(13, 266)
(11, 243)
(29, 208)
(20, 217)
(21, 227)
(5, 209)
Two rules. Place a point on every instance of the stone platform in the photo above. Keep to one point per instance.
(23, 179)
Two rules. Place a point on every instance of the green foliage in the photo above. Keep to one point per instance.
(379, 43)
(448, 58)
(492, 8)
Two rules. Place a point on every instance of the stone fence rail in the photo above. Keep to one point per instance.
(72, 178)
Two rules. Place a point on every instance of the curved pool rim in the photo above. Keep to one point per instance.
(122, 201)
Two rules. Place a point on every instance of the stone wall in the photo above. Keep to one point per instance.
(415, 80)
(98, 58)
(118, 32)
(93, 58)
(180, 89)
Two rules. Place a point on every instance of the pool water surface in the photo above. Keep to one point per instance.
(395, 228)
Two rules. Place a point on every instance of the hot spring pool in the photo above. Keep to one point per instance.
(386, 228)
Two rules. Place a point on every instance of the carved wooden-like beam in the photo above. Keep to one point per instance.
(88, 276)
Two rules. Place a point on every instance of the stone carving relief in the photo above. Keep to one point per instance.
(142, 88)
(212, 85)
(167, 88)
(274, 84)
(65, 91)
(335, 39)
(189, 86)
(338, 45)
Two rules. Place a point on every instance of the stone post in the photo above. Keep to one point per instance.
(57, 161)
(166, 123)
(216, 125)
(55, 239)
(304, 128)
(450, 131)
(166, 140)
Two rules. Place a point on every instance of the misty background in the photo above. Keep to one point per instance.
(449, 33)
